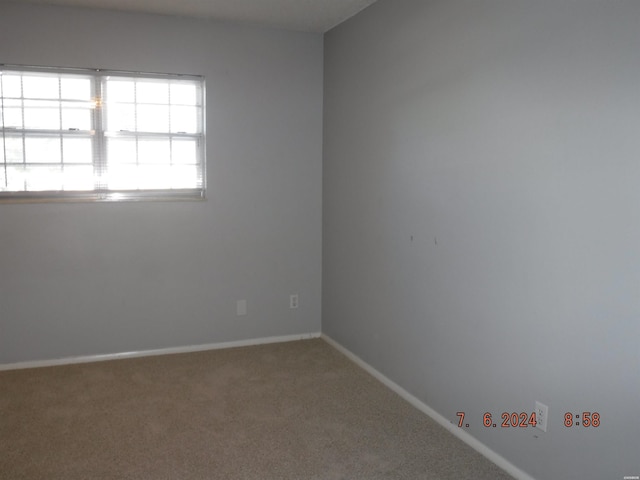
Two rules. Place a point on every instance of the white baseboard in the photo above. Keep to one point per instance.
(161, 351)
(451, 427)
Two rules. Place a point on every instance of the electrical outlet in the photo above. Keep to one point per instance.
(293, 301)
(542, 415)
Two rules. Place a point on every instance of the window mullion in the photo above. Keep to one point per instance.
(170, 130)
(135, 125)
(4, 140)
(99, 144)
(60, 136)
(24, 135)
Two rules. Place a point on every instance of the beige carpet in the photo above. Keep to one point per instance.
(297, 410)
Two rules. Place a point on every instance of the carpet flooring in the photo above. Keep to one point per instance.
(296, 410)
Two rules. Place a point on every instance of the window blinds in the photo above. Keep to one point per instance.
(100, 135)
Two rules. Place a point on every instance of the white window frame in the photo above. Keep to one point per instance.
(102, 184)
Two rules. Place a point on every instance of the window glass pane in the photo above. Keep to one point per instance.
(185, 176)
(121, 118)
(41, 115)
(78, 177)
(12, 114)
(42, 118)
(183, 94)
(154, 151)
(13, 103)
(152, 92)
(39, 178)
(122, 177)
(76, 88)
(154, 176)
(15, 178)
(120, 90)
(43, 150)
(184, 119)
(134, 177)
(184, 151)
(13, 150)
(77, 150)
(121, 150)
(153, 118)
(76, 117)
(11, 86)
(40, 86)
(12, 118)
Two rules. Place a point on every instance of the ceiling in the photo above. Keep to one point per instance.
(302, 15)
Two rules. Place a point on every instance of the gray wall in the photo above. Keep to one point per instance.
(481, 224)
(103, 278)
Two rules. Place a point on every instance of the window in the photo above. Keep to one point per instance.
(100, 135)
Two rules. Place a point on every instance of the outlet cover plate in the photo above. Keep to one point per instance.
(293, 300)
(241, 308)
(542, 416)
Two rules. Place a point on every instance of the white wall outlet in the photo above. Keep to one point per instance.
(542, 415)
(293, 301)
(241, 308)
